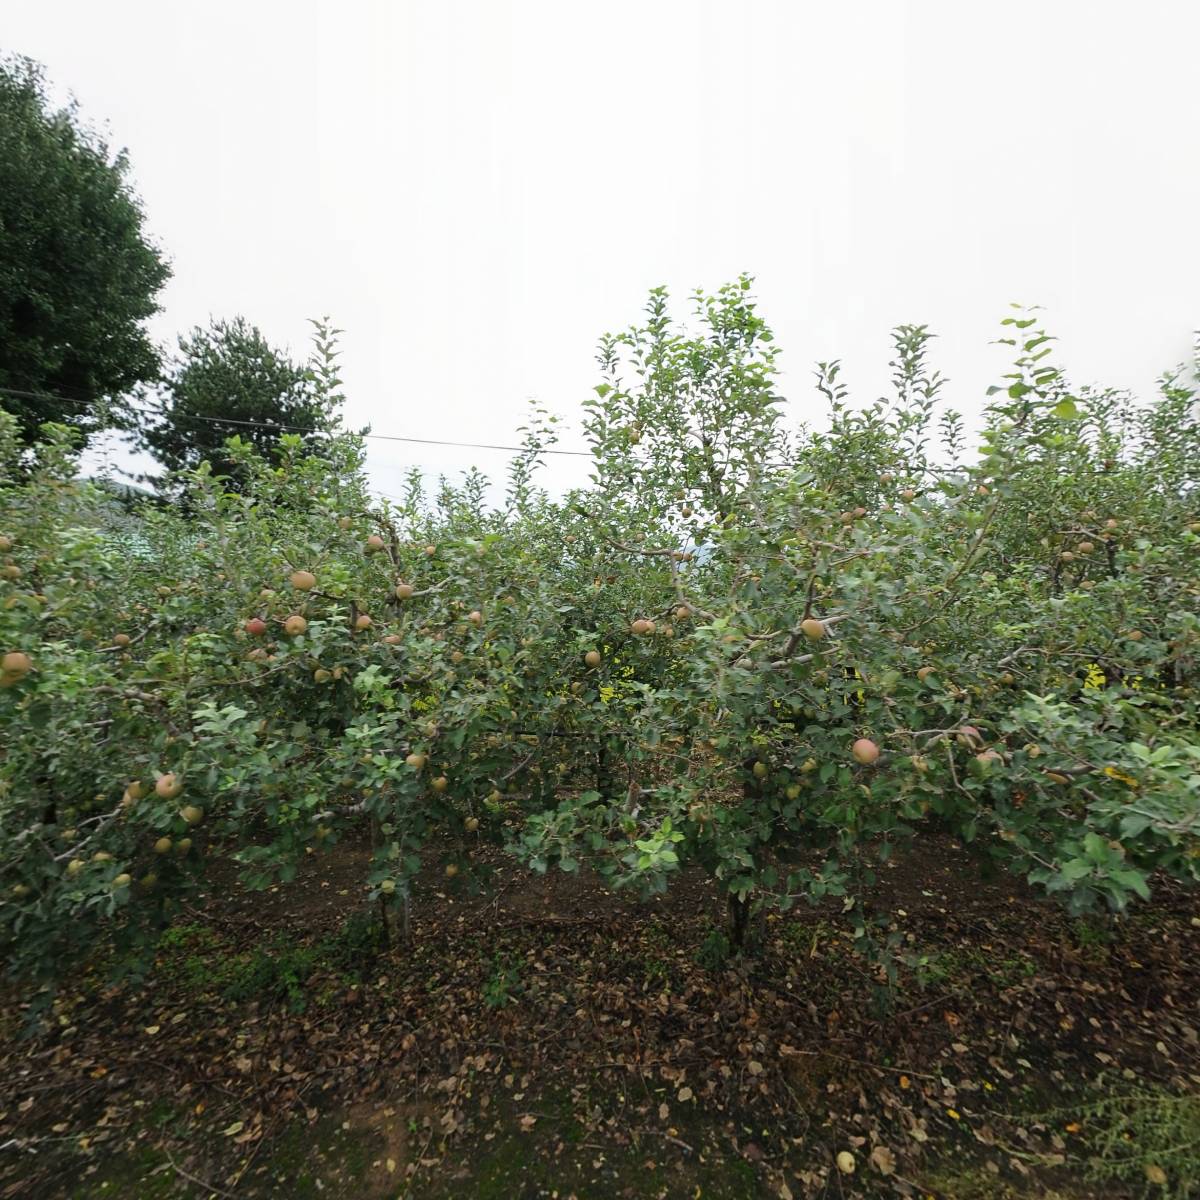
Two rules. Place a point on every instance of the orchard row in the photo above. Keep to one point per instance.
(776, 656)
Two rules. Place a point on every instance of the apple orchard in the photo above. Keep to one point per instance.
(776, 655)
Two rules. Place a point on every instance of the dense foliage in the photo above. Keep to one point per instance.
(777, 654)
(78, 274)
(225, 377)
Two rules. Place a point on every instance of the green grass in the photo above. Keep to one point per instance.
(196, 958)
(503, 986)
(960, 963)
(1141, 1136)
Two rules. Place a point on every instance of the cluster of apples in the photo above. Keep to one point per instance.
(167, 787)
(10, 570)
(304, 581)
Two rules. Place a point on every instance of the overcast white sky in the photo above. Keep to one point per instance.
(476, 190)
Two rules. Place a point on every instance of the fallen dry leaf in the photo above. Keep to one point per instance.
(884, 1160)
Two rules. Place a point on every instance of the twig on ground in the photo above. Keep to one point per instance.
(666, 1137)
(202, 1183)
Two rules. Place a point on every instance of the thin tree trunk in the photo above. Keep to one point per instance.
(604, 776)
(739, 921)
(386, 922)
(739, 909)
(385, 916)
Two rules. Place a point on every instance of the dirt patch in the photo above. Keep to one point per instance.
(328, 883)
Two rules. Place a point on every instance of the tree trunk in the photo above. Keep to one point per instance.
(739, 921)
(739, 910)
(385, 921)
(385, 917)
(604, 776)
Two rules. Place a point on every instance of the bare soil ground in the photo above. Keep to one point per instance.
(545, 1037)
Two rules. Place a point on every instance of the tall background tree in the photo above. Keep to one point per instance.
(225, 381)
(78, 273)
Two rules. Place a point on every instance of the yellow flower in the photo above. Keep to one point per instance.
(1113, 773)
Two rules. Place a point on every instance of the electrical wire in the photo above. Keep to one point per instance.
(233, 421)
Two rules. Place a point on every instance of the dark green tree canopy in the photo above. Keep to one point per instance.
(78, 275)
(227, 380)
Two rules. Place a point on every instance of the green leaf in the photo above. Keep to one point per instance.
(1135, 881)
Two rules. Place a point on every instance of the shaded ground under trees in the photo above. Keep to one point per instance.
(546, 1037)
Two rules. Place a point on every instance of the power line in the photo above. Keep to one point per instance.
(379, 437)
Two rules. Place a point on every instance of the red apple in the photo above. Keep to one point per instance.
(865, 751)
